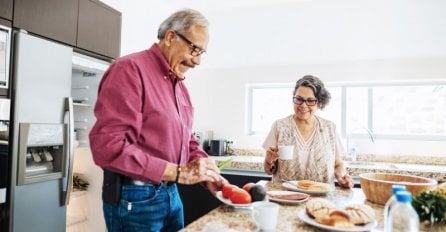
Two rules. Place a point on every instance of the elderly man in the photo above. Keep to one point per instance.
(143, 135)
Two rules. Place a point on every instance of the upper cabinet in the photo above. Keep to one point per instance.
(6, 9)
(99, 28)
(54, 19)
(87, 24)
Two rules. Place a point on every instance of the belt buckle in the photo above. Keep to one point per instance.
(139, 183)
(167, 183)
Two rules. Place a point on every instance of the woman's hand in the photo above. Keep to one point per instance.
(345, 181)
(271, 158)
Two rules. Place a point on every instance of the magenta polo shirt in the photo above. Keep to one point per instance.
(144, 118)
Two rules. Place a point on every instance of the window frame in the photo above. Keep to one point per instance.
(250, 131)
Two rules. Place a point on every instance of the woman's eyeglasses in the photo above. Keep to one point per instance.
(195, 50)
(300, 101)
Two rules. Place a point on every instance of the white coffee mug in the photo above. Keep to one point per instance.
(286, 152)
(265, 214)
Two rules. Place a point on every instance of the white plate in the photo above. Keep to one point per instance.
(228, 202)
(307, 219)
(284, 200)
(292, 185)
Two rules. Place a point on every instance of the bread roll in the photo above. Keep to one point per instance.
(319, 207)
(360, 214)
(336, 218)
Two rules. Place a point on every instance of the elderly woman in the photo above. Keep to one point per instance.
(317, 146)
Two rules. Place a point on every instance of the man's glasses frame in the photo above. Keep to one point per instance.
(195, 50)
(300, 101)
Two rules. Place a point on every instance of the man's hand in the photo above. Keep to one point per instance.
(199, 170)
(214, 187)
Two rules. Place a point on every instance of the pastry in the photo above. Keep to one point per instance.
(288, 196)
(312, 185)
(360, 214)
(305, 184)
(318, 187)
(319, 207)
(336, 218)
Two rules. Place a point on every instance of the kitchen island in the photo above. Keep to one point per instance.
(226, 217)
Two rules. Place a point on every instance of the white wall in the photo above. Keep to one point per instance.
(281, 41)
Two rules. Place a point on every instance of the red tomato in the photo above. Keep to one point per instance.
(248, 186)
(227, 189)
(240, 196)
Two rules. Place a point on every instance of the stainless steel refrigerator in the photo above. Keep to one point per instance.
(41, 135)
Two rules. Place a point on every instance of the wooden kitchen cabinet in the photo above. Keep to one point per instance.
(99, 28)
(55, 19)
(6, 9)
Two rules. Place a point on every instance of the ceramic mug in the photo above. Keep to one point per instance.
(265, 214)
(286, 152)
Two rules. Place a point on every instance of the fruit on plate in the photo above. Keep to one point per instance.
(247, 186)
(240, 196)
(227, 189)
(257, 192)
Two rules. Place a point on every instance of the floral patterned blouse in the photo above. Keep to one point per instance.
(314, 158)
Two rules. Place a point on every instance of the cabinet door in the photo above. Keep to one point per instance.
(6, 9)
(55, 19)
(99, 28)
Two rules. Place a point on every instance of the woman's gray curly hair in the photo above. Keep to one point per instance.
(320, 92)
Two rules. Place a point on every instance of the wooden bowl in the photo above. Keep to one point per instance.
(377, 187)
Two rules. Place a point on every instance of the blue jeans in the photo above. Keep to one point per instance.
(145, 208)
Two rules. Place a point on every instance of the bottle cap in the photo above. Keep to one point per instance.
(396, 188)
(403, 196)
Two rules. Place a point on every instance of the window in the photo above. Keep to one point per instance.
(391, 110)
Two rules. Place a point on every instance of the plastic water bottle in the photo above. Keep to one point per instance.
(403, 217)
(390, 203)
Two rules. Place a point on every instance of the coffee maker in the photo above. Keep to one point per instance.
(220, 147)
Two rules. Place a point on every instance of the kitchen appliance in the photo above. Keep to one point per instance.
(204, 138)
(41, 134)
(53, 91)
(4, 157)
(5, 44)
(218, 147)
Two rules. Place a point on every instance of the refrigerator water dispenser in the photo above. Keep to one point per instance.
(41, 152)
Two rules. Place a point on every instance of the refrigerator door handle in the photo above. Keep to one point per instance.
(69, 185)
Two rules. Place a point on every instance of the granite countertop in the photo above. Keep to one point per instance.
(253, 163)
(227, 218)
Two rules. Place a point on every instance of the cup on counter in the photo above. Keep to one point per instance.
(286, 152)
(265, 214)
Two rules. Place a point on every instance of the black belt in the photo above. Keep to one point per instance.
(130, 181)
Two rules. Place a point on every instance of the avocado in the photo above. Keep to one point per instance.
(257, 192)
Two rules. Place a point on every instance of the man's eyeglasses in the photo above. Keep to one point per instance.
(300, 101)
(196, 51)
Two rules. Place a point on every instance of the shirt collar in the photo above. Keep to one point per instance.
(164, 65)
